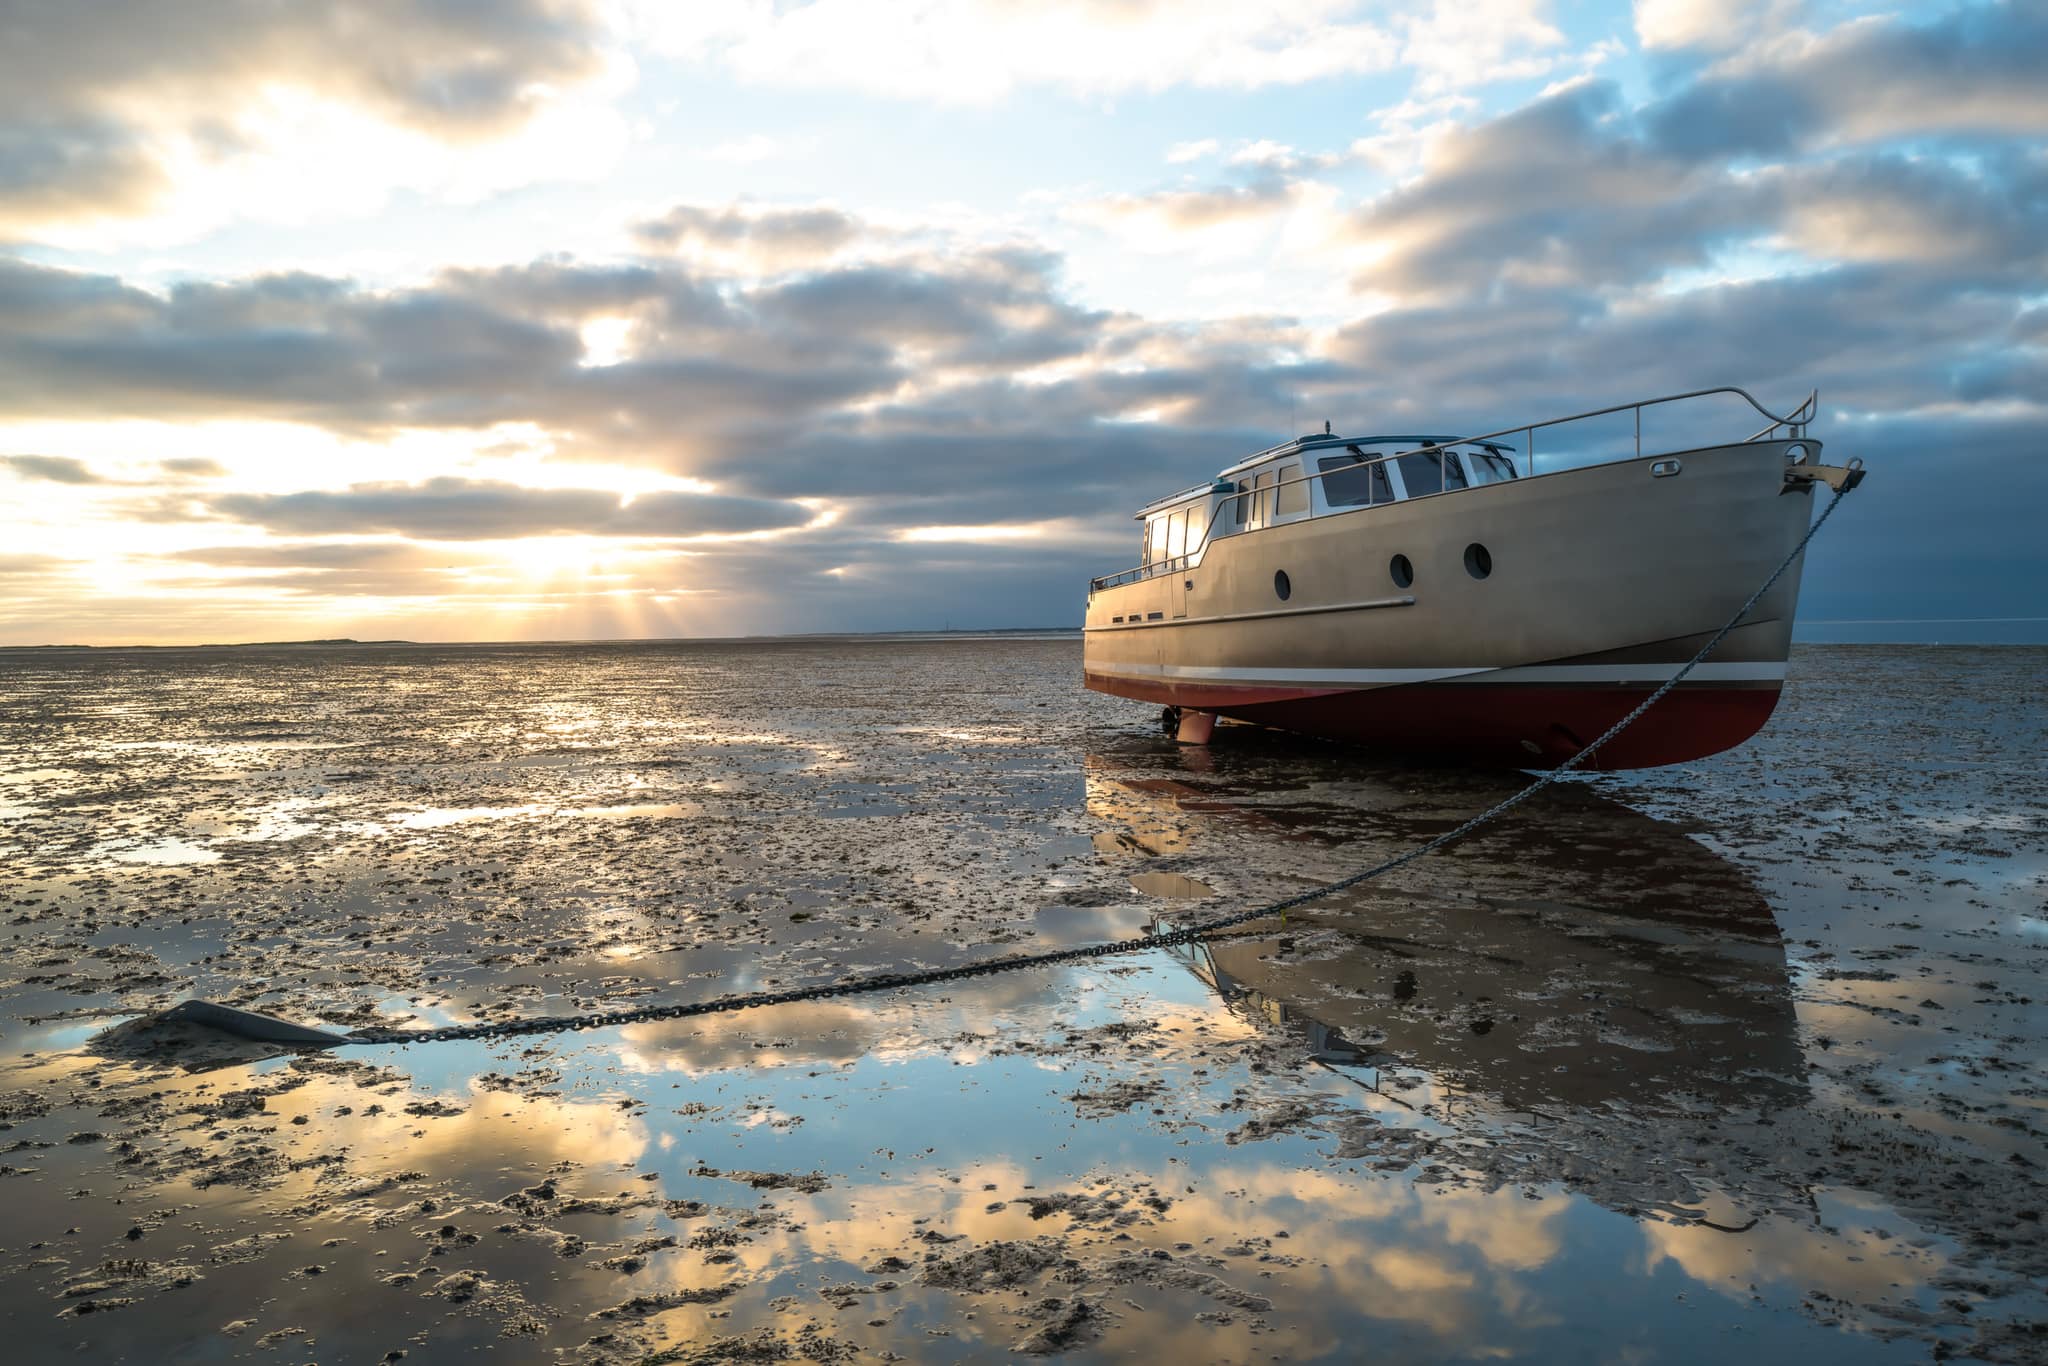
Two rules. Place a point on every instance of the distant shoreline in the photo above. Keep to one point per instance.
(1811, 633)
(347, 642)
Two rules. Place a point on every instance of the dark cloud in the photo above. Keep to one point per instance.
(997, 308)
(470, 349)
(1974, 70)
(1556, 194)
(1875, 338)
(450, 509)
(56, 469)
(90, 91)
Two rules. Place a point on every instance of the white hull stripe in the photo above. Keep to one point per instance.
(1756, 672)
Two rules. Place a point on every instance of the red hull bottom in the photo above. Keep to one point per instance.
(1512, 725)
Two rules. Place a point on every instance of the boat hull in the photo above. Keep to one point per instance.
(1603, 582)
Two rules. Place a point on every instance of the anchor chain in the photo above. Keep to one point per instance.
(891, 981)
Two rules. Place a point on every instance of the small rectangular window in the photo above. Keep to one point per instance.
(1420, 473)
(1291, 496)
(1348, 481)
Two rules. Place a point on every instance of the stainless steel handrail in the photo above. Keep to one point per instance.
(1794, 422)
(1187, 559)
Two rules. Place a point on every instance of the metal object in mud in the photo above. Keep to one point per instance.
(250, 1024)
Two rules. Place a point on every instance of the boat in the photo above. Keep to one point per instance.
(1443, 596)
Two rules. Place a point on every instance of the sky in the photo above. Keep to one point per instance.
(573, 319)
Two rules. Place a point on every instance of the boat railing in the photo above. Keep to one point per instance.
(1175, 564)
(1793, 424)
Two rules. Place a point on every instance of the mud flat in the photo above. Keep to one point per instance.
(1744, 1057)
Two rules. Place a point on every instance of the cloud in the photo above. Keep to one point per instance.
(120, 110)
(1552, 195)
(1575, 191)
(30, 566)
(56, 469)
(468, 350)
(192, 467)
(1709, 25)
(453, 509)
(402, 555)
(1191, 210)
(771, 239)
(1973, 71)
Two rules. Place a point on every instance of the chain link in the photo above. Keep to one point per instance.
(891, 981)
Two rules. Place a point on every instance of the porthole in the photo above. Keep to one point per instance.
(1403, 572)
(1283, 588)
(1478, 560)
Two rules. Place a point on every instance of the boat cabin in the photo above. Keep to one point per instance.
(1313, 476)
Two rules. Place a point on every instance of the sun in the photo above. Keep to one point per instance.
(561, 561)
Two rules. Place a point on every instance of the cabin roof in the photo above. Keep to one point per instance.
(1319, 441)
(1172, 499)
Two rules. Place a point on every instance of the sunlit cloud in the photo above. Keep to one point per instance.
(972, 534)
(156, 125)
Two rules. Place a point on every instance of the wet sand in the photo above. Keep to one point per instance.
(1742, 1057)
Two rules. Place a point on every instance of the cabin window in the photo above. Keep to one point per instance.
(1176, 535)
(1454, 471)
(1198, 526)
(1291, 495)
(1228, 519)
(1422, 473)
(1488, 467)
(1348, 482)
(1254, 508)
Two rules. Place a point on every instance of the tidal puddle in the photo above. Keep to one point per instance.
(165, 853)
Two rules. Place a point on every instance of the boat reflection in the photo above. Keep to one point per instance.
(1578, 955)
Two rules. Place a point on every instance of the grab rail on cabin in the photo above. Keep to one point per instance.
(1794, 424)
